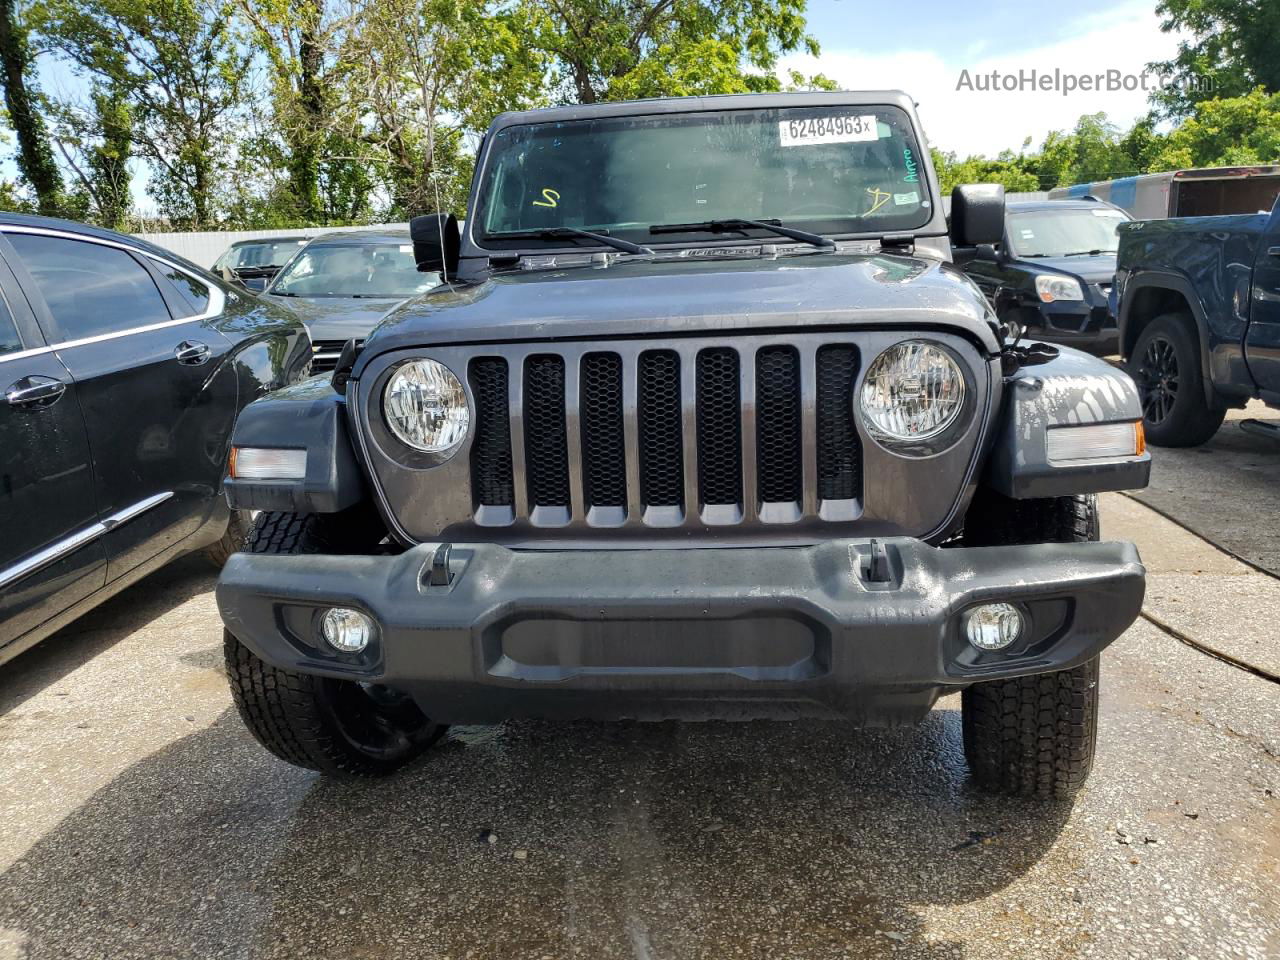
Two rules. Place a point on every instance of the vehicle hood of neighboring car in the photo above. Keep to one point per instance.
(337, 318)
(1099, 269)
(669, 297)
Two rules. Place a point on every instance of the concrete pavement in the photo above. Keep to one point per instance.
(140, 820)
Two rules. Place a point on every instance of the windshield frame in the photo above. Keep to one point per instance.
(339, 244)
(475, 244)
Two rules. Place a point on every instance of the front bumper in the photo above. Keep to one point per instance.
(691, 633)
(1088, 324)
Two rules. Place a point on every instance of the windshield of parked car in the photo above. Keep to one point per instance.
(831, 170)
(1065, 233)
(271, 253)
(353, 270)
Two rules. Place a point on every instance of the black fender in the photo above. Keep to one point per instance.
(311, 416)
(1160, 280)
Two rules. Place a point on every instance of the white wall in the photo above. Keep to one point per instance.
(204, 248)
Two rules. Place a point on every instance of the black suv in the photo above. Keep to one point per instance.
(1050, 275)
(123, 370)
(703, 423)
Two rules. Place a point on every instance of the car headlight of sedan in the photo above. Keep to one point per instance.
(913, 391)
(426, 407)
(1058, 288)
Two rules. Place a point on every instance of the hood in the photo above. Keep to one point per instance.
(336, 318)
(1099, 269)
(670, 297)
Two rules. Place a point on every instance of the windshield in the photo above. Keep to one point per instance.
(831, 170)
(271, 253)
(1061, 233)
(354, 270)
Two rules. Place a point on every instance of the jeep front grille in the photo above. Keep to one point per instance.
(713, 432)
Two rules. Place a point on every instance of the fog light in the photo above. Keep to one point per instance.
(347, 631)
(993, 626)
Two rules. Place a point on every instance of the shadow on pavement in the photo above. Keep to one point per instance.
(124, 614)
(639, 840)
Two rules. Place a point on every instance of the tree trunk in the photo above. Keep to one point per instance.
(35, 156)
(110, 160)
(304, 167)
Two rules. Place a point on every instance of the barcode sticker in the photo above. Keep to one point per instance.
(839, 129)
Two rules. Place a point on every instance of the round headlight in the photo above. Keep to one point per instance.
(426, 407)
(913, 391)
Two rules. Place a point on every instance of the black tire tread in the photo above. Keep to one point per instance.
(285, 711)
(1032, 736)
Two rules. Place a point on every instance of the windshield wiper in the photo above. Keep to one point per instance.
(1087, 253)
(554, 233)
(736, 225)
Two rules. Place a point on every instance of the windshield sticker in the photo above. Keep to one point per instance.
(1028, 234)
(902, 199)
(878, 199)
(550, 198)
(840, 129)
(909, 161)
(406, 248)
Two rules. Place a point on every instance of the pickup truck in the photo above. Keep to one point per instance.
(702, 423)
(1198, 301)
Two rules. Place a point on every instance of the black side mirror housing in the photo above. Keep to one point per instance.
(988, 252)
(436, 243)
(977, 214)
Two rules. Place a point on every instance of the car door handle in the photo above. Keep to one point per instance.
(191, 352)
(1273, 252)
(34, 391)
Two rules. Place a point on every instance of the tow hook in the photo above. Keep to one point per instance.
(874, 566)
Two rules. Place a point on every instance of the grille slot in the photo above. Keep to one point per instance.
(661, 456)
(491, 482)
(839, 453)
(604, 469)
(545, 440)
(719, 427)
(778, 445)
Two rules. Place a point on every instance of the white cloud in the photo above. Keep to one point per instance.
(969, 121)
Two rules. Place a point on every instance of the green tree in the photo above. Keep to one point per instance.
(22, 97)
(179, 67)
(1237, 131)
(623, 49)
(1233, 47)
(424, 78)
(96, 140)
(1007, 169)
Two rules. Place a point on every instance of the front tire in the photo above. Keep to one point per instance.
(238, 526)
(342, 728)
(1032, 736)
(1165, 364)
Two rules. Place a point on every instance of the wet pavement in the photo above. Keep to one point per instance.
(140, 820)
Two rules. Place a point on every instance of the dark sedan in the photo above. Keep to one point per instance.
(255, 262)
(1052, 273)
(124, 368)
(342, 284)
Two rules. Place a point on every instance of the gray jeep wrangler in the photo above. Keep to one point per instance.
(701, 423)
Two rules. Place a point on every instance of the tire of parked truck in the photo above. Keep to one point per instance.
(342, 728)
(1032, 736)
(1165, 364)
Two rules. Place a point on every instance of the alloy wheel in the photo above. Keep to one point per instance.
(1158, 380)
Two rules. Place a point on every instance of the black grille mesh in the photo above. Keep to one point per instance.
(546, 447)
(719, 427)
(839, 451)
(491, 449)
(661, 455)
(778, 424)
(604, 470)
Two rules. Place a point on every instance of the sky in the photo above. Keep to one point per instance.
(925, 49)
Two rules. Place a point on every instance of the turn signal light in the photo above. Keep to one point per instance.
(1096, 441)
(264, 463)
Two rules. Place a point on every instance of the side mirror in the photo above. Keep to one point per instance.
(436, 243)
(988, 252)
(977, 214)
(230, 277)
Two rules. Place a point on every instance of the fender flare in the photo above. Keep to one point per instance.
(1162, 280)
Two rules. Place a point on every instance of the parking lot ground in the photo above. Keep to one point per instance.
(140, 820)
(1225, 490)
